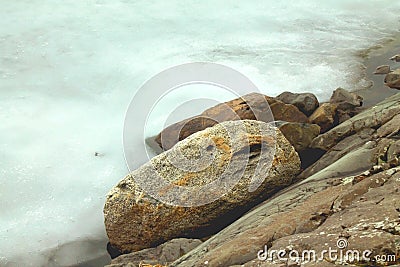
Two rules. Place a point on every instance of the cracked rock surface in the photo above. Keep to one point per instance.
(363, 210)
(351, 193)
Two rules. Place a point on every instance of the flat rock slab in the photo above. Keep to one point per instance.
(162, 254)
(364, 210)
(339, 197)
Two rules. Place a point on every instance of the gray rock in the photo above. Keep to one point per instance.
(305, 102)
(313, 214)
(348, 104)
(391, 127)
(135, 220)
(162, 254)
(345, 100)
(363, 214)
(349, 145)
(383, 69)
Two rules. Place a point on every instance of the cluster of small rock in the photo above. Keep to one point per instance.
(287, 107)
(300, 117)
(335, 174)
(392, 77)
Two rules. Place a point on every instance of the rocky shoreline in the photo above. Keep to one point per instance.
(341, 183)
(377, 92)
(335, 177)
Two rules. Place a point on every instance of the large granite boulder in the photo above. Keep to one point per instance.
(234, 155)
(305, 102)
(248, 107)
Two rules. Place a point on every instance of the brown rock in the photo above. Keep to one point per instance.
(392, 79)
(344, 115)
(371, 118)
(382, 151)
(181, 130)
(300, 135)
(286, 112)
(395, 58)
(162, 254)
(237, 109)
(345, 100)
(347, 104)
(383, 69)
(305, 102)
(134, 220)
(393, 153)
(324, 116)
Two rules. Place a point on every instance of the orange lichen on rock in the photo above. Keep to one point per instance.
(185, 179)
(136, 225)
(221, 144)
(258, 139)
